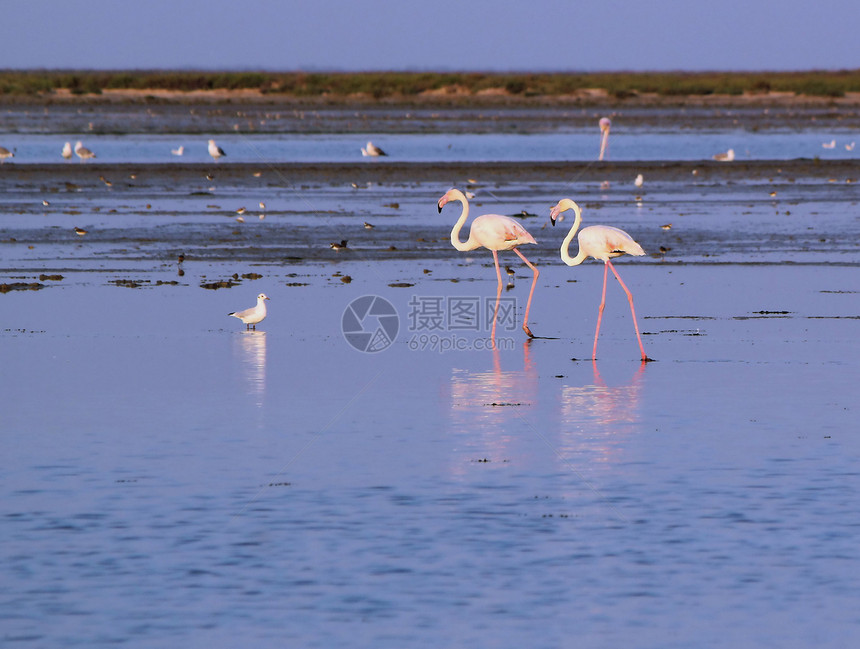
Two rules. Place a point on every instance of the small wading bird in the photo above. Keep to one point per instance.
(601, 242)
(67, 151)
(5, 153)
(256, 314)
(215, 151)
(493, 232)
(178, 151)
(728, 156)
(605, 124)
(82, 152)
(372, 150)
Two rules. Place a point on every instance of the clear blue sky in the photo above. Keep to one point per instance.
(519, 35)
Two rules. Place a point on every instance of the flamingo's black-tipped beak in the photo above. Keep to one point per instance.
(439, 207)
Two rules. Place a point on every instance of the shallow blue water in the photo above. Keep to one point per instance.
(632, 144)
(170, 479)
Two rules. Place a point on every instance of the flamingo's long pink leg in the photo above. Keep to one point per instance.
(531, 292)
(600, 311)
(632, 310)
(498, 296)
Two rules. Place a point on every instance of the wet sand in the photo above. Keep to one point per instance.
(773, 212)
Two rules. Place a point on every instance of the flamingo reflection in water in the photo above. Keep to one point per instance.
(488, 407)
(598, 419)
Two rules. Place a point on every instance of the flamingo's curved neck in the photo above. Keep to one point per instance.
(565, 245)
(455, 231)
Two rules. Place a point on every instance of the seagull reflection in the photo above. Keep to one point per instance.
(596, 418)
(251, 350)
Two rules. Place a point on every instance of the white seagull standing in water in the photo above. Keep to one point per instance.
(253, 315)
(67, 151)
(215, 151)
(728, 156)
(372, 150)
(83, 152)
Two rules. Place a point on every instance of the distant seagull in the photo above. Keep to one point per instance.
(640, 180)
(241, 210)
(178, 151)
(338, 246)
(45, 203)
(106, 181)
(262, 205)
(368, 226)
(728, 156)
(605, 124)
(80, 232)
(67, 150)
(666, 226)
(5, 153)
(83, 152)
(829, 145)
(215, 151)
(254, 315)
(372, 150)
(849, 147)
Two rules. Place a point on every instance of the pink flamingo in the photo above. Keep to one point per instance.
(601, 242)
(493, 232)
(605, 124)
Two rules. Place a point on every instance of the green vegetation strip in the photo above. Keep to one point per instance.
(382, 85)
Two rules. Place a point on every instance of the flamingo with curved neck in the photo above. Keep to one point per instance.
(605, 126)
(602, 242)
(493, 232)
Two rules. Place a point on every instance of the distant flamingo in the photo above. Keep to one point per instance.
(601, 242)
(493, 232)
(605, 124)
